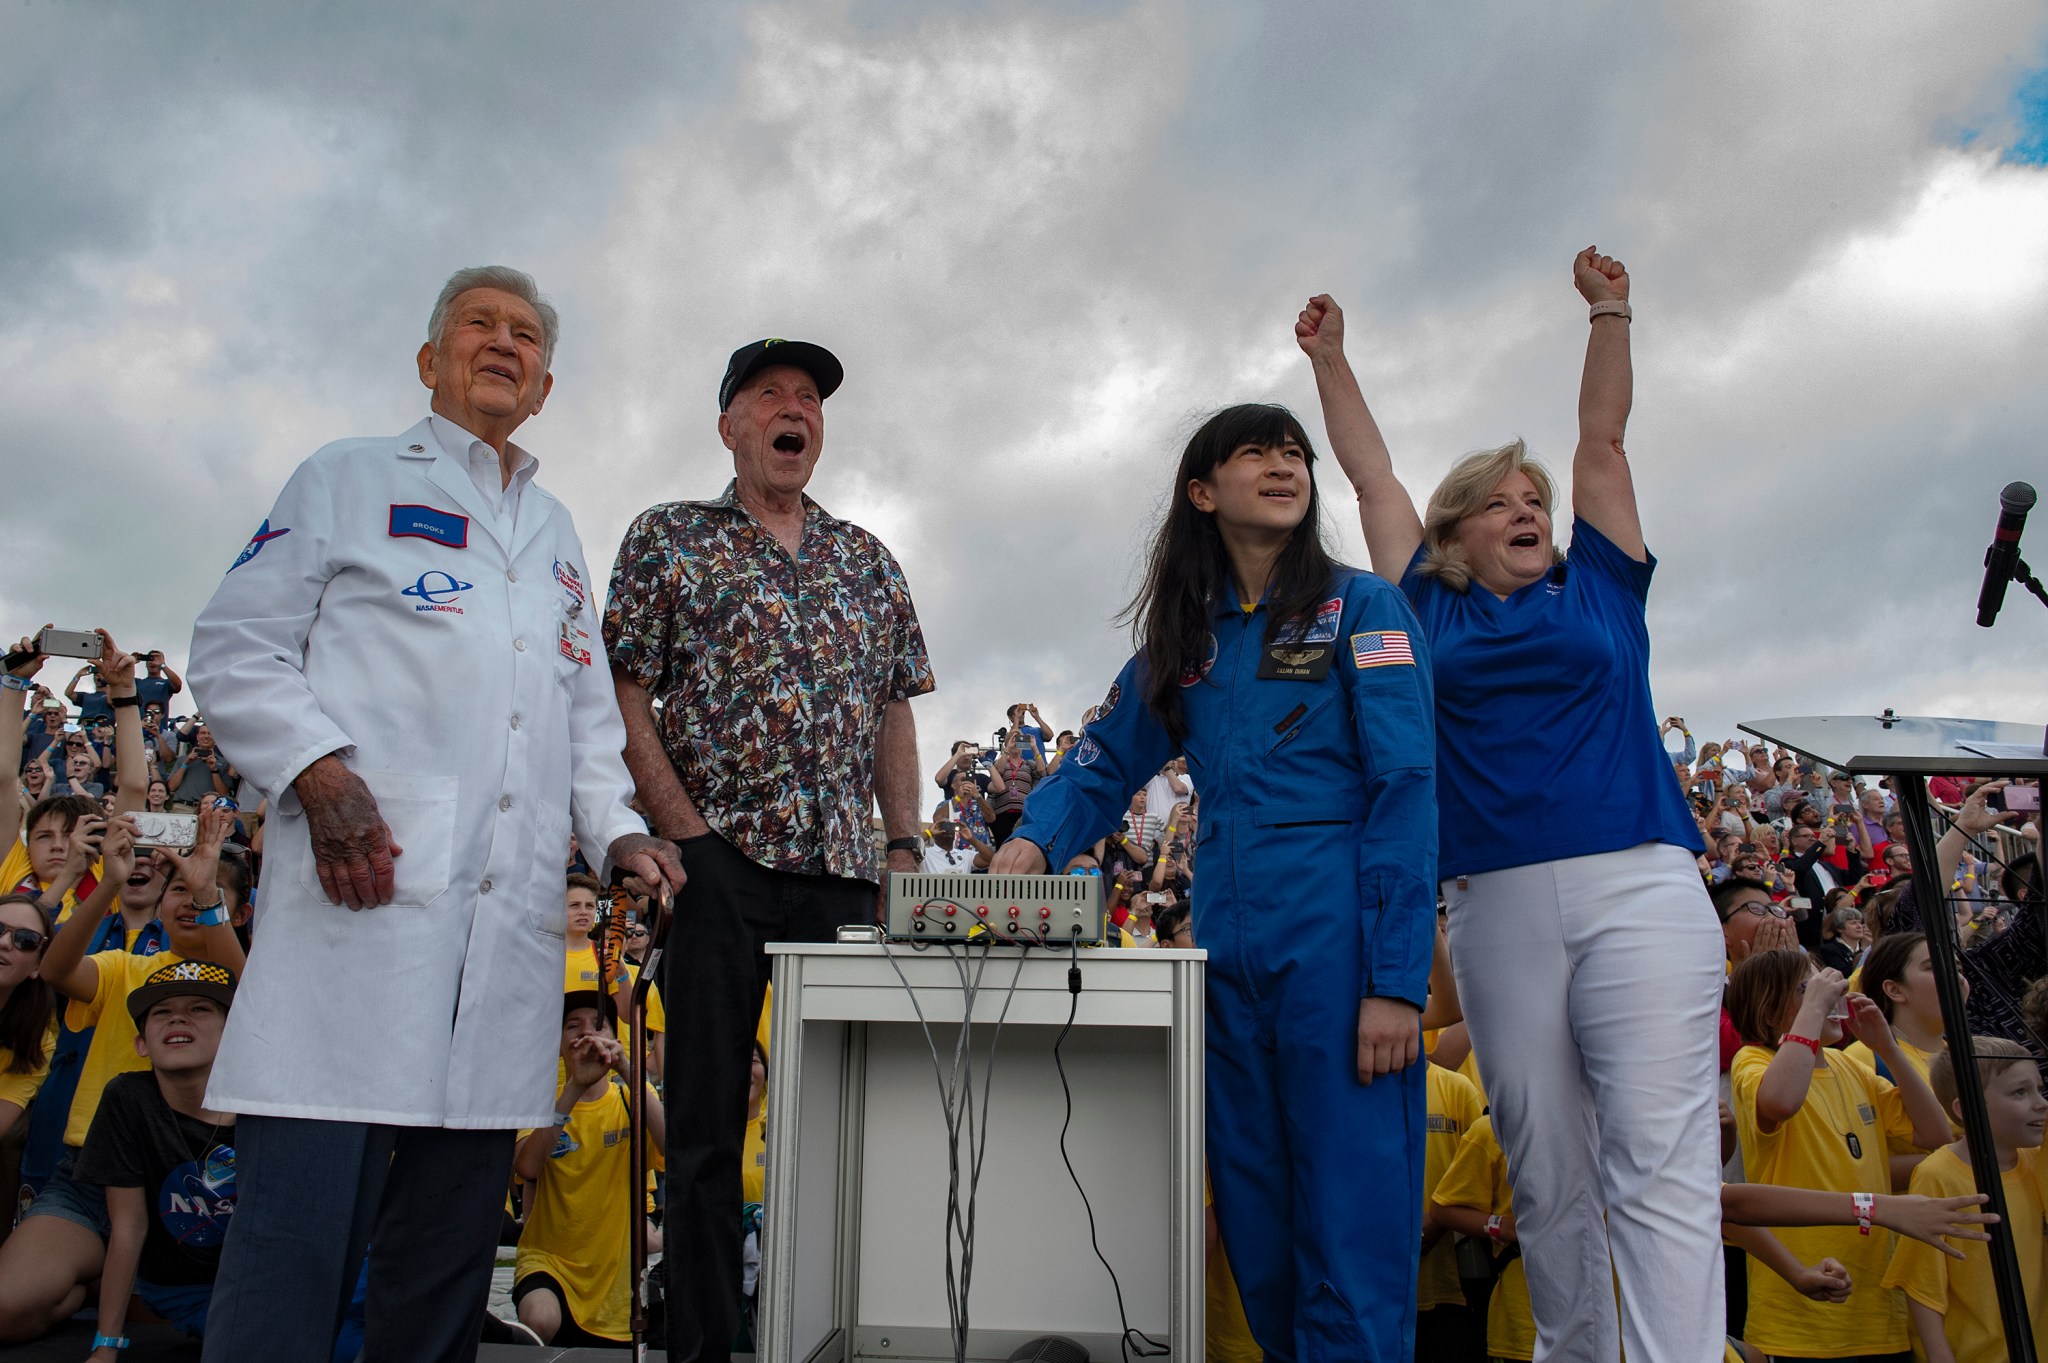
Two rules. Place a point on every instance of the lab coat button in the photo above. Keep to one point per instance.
(484, 888)
(504, 802)
(519, 645)
(515, 721)
(511, 574)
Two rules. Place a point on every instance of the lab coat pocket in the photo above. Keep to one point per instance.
(420, 812)
(544, 913)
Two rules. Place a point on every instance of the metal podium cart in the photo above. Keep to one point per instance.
(852, 1252)
(1909, 750)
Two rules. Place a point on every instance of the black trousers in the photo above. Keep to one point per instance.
(714, 974)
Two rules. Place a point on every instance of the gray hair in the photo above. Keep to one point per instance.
(518, 283)
(1463, 492)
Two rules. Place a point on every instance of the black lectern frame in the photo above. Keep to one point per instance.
(1908, 750)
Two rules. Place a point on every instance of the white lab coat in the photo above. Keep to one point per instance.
(443, 676)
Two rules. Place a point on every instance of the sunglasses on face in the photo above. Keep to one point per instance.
(24, 939)
(636, 932)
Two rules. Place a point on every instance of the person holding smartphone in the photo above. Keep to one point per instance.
(1559, 928)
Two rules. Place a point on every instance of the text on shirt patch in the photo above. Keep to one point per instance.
(436, 591)
(410, 521)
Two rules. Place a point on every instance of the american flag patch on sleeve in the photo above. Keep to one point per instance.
(1388, 648)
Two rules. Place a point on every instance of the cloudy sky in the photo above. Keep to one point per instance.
(1045, 239)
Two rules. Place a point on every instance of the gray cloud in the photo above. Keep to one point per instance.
(1045, 239)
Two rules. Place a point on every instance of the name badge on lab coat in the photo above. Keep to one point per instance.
(575, 643)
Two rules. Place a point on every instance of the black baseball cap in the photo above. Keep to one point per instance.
(607, 1008)
(204, 979)
(749, 360)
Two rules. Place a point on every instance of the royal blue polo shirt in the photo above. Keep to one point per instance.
(1547, 743)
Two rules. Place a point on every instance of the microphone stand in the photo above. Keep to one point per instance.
(2024, 575)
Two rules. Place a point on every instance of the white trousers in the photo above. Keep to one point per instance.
(1592, 990)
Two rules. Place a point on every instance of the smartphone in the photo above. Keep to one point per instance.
(2023, 797)
(1799, 903)
(1155, 897)
(178, 831)
(69, 643)
(1745, 848)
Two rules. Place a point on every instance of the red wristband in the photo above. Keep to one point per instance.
(1806, 1041)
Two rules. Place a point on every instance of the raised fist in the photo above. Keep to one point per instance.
(1320, 328)
(1598, 278)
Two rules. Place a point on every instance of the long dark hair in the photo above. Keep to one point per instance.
(25, 1017)
(1885, 963)
(1188, 567)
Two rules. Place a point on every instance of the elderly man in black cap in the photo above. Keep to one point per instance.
(784, 648)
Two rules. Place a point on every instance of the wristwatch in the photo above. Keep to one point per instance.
(904, 845)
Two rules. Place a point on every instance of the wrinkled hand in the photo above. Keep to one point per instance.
(1824, 1281)
(1866, 1023)
(1936, 1220)
(352, 846)
(1599, 278)
(117, 669)
(1319, 331)
(653, 860)
(1018, 858)
(1389, 1037)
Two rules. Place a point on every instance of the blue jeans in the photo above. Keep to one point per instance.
(312, 1195)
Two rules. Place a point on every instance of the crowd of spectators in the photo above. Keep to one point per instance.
(1835, 1073)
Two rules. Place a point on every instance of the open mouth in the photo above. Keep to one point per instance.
(502, 372)
(178, 1038)
(1279, 494)
(790, 442)
(1527, 540)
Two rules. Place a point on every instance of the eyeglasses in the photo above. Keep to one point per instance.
(636, 932)
(1760, 910)
(25, 939)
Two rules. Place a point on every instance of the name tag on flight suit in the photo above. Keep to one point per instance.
(1303, 653)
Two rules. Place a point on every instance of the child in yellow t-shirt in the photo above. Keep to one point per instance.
(1898, 975)
(1812, 1117)
(1953, 1303)
(571, 1278)
(1453, 1105)
(1473, 1198)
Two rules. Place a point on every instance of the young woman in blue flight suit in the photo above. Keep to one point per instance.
(1299, 693)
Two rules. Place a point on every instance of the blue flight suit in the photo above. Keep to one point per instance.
(1316, 888)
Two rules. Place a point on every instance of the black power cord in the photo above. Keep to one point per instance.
(1146, 1347)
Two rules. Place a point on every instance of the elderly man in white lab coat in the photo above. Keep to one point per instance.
(404, 658)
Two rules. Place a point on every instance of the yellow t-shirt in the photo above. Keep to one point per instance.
(754, 1158)
(1478, 1177)
(1962, 1290)
(1846, 1103)
(1226, 1334)
(113, 1041)
(1453, 1106)
(1469, 1067)
(1915, 1057)
(580, 1216)
(18, 1089)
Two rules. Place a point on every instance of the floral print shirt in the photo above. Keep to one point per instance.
(771, 672)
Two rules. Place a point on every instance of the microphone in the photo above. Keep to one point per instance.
(2004, 554)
